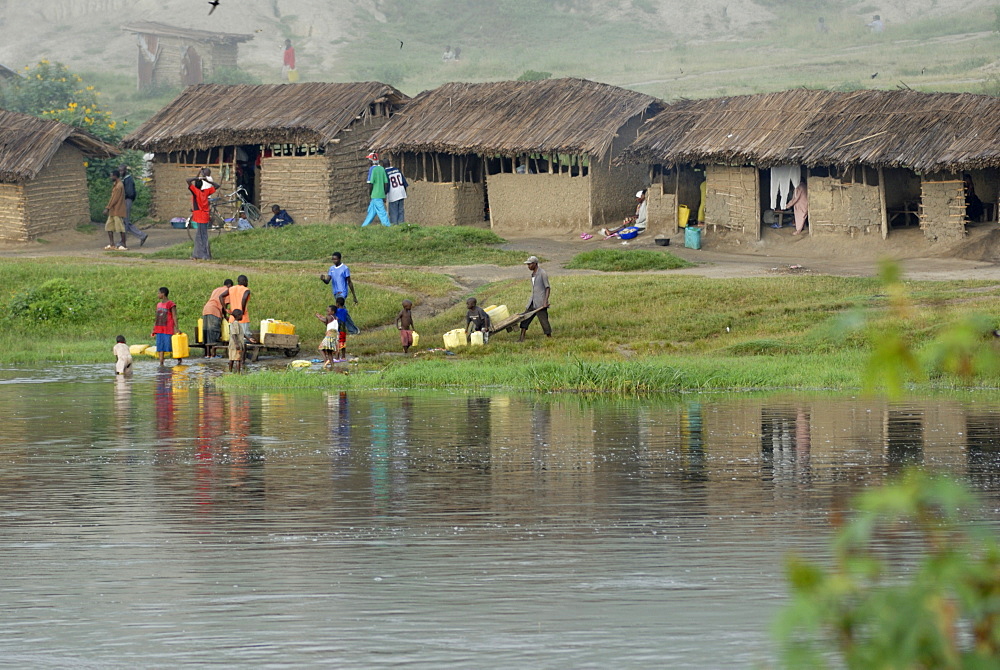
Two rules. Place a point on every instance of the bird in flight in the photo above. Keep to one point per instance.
(400, 44)
(874, 75)
(214, 3)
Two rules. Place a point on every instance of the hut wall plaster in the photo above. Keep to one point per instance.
(731, 198)
(13, 212)
(171, 197)
(300, 184)
(942, 207)
(612, 191)
(660, 211)
(445, 204)
(525, 201)
(347, 166)
(836, 207)
(55, 200)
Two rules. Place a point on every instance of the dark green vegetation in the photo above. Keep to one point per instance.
(403, 245)
(939, 609)
(633, 260)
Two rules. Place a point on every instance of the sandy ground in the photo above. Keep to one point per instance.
(777, 253)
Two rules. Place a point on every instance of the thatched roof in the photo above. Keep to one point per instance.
(164, 30)
(514, 117)
(213, 115)
(28, 143)
(926, 132)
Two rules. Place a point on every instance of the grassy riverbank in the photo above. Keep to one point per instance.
(627, 333)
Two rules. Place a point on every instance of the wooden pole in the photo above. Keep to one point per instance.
(453, 168)
(881, 203)
(756, 200)
(677, 199)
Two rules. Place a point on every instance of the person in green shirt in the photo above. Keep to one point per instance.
(378, 179)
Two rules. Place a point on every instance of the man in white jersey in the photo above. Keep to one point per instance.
(396, 195)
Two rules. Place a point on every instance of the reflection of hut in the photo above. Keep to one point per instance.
(43, 179)
(300, 145)
(873, 160)
(173, 57)
(519, 154)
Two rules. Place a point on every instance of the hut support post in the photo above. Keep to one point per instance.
(423, 166)
(677, 202)
(453, 168)
(881, 203)
(756, 202)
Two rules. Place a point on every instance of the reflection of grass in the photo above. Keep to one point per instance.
(619, 260)
(402, 245)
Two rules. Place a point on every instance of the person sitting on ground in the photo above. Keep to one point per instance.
(476, 318)
(639, 220)
(242, 222)
(973, 205)
(280, 219)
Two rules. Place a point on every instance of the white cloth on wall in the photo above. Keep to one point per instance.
(784, 179)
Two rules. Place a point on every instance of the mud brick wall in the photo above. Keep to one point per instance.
(167, 71)
(838, 208)
(299, 184)
(171, 197)
(731, 200)
(942, 208)
(660, 210)
(526, 201)
(445, 204)
(55, 200)
(348, 170)
(13, 213)
(612, 191)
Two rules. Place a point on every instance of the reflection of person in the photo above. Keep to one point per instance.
(800, 206)
(476, 318)
(378, 179)
(237, 341)
(212, 314)
(280, 219)
(396, 196)
(540, 290)
(201, 187)
(973, 205)
(128, 184)
(123, 357)
(165, 325)
(328, 347)
(339, 278)
(404, 322)
(115, 210)
(638, 220)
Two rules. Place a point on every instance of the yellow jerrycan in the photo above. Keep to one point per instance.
(179, 343)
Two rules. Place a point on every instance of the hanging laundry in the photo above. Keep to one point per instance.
(784, 179)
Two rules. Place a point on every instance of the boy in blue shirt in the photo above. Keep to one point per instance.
(339, 278)
(280, 219)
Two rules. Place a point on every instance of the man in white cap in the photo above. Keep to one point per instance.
(378, 179)
(539, 298)
(638, 221)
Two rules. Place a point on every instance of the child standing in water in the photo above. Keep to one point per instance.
(237, 341)
(342, 318)
(165, 325)
(123, 356)
(404, 322)
(328, 347)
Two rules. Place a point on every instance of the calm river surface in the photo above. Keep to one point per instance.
(155, 522)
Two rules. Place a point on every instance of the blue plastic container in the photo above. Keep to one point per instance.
(628, 233)
(692, 237)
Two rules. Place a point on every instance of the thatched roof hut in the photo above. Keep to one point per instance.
(43, 180)
(510, 118)
(457, 137)
(926, 132)
(876, 156)
(170, 56)
(28, 143)
(303, 145)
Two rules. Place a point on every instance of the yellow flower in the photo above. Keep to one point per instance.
(90, 88)
(72, 105)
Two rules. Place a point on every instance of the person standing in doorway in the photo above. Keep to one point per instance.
(800, 206)
(201, 216)
(540, 290)
(128, 183)
(378, 179)
(116, 214)
(339, 279)
(396, 195)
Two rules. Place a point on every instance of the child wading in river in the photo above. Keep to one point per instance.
(165, 325)
(328, 347)
(123, 356)
(237, 342)
(404, 322)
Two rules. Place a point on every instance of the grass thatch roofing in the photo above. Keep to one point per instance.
(926, 132)
(164, 30)
(213, 115)
(514, 117)
(28, 143)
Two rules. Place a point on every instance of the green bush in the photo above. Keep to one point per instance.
(54, 301)
(233, 75)
(534, 75)
(633, 260)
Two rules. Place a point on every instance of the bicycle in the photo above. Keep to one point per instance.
(219, 222)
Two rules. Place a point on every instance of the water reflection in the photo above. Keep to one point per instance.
(170, 522)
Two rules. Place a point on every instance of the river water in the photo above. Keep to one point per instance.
(155, 521)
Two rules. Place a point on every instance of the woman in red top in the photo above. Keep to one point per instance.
(201, 187)
(165, 325)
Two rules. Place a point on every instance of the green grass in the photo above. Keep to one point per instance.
(401, 245)
(633, 260)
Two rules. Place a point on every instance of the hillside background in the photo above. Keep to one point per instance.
(668, 48)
